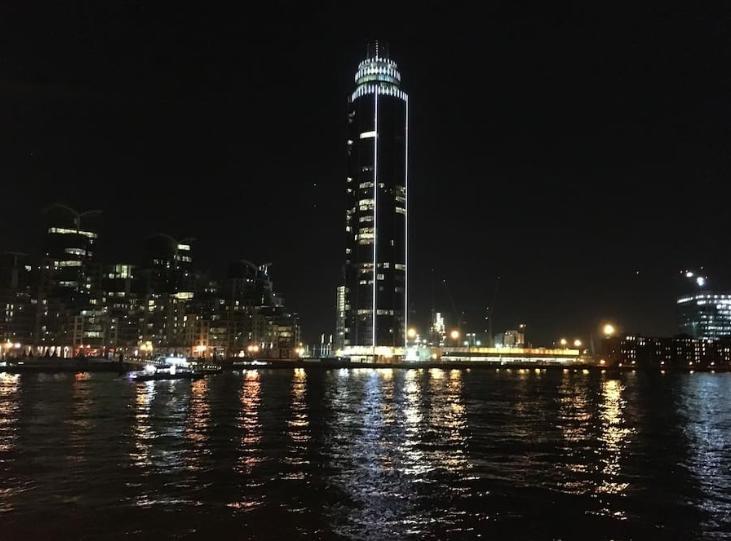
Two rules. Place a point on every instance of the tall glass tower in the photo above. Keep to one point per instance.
(376, 285)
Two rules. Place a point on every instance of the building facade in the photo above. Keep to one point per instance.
(375, 295)
(663, 353)
(705, 315)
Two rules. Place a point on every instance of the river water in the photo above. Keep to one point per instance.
(367, 454)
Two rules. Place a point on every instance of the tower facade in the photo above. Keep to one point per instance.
(376, 284)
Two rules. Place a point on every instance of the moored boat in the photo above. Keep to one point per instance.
(164, 368)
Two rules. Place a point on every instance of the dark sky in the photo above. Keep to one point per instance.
(562, 149)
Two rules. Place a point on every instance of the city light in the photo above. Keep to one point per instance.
(577, 343)
(411, 333)
(454, 335)
(563, 342)
(608, 330)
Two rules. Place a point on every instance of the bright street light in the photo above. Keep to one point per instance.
(608, 330)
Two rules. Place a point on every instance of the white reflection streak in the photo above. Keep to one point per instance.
(142, 429)
(614, 436)
(574, 417)
(198, 420)
(705, 399)
(413, 463)
(447, 416)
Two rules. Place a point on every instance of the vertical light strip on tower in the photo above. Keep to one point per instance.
(375, 218)
(406, 223)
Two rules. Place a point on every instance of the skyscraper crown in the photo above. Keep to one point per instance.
(378, 67)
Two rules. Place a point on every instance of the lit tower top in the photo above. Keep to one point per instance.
(376, 282)
(378, 71)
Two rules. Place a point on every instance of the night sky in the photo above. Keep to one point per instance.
(564, 149)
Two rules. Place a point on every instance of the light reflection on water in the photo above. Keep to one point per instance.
(706, 401)
(368, 454)
(9, 413)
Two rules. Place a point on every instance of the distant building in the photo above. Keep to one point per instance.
(437, 330)
(70, 254)
(705, 315)
(341, 310)
(513, 338)
(17, 306)
(68, 287)
(702, 313)
(376, 227)
(679, 352)
(121, 289)
(168, 286)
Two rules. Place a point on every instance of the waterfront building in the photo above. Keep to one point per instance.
(70, 259)
(168, 285)
(375, 292)
(71, 305)
(68, 285)
(17, 306)
(241, 316)
(121, 289)
(679, 352)
(509, 355)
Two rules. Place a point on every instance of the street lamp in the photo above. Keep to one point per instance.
(454, 335)
(411, 334)
(577, 343)
(609, 330)
(563, 342)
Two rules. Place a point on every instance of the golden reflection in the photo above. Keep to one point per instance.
(298, 427)
(298, 424)
(80, 425)
(613, 436)
(249, 423)
(436, 373)
(9, 414)
(9, 411)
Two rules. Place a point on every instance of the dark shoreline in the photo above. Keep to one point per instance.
(74, 366)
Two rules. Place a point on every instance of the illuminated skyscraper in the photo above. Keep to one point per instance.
(703, 313)
(376, 285)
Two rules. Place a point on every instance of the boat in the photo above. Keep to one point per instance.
(167, 368)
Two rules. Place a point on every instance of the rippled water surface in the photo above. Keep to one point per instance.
(367, 454)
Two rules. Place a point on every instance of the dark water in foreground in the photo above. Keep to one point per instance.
(367, 454)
